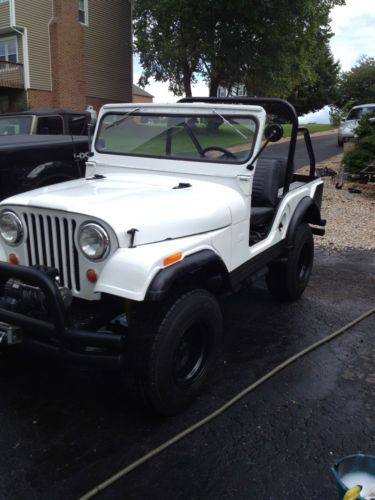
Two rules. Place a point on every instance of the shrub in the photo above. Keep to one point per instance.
(364, 150)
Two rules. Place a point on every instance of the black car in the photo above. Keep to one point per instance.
(45, 122)
(32, 161)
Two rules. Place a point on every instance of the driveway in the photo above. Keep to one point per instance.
(324, 145)
(63, 431)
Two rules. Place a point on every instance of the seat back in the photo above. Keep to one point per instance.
(268, 178)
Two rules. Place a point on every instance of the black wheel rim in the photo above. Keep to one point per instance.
(191, 355)
(303, 268)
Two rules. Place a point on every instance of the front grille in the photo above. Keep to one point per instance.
(50, 242)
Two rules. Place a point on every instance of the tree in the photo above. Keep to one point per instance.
(320, 88)
(272, 46)
(358, 84)
(165, 38)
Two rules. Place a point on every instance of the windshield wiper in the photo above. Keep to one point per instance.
(228, 123)
(122, 119)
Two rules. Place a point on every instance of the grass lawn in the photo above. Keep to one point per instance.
(312, 127)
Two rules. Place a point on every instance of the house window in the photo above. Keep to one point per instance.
(8, 49)
(83, 12)
(4, 1)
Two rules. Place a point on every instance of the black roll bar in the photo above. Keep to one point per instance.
(288, 111)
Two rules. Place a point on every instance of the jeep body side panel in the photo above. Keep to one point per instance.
(242, 252)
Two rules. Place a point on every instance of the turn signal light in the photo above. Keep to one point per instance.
(13, 259)
(91, 276)
(172, 258)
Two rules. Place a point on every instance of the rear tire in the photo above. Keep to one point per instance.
(288, 277)
(171, 354)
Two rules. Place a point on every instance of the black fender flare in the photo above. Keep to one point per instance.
(306, 211)
(43, 173)
(195, 269)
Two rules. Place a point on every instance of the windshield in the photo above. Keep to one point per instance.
(216, 137)
(15, 125)
(355, 114)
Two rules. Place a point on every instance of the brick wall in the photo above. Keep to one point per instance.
(67, 54)
(40, 99)
(141, 98)
(97, 102)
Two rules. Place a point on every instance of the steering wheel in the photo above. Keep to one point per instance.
(218, 148)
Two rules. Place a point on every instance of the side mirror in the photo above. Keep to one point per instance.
(273, 132)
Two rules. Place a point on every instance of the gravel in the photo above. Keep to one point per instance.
(350, 216)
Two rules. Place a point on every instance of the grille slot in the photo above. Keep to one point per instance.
(50, 242)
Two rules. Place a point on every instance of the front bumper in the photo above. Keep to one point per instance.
(57, 334)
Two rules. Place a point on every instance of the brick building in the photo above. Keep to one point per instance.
(140, 95)
(64, 53)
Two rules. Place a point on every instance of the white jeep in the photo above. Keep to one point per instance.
(178, 207)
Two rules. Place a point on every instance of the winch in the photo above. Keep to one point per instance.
(31, 298)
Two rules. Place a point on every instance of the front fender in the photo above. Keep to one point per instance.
(130, 271)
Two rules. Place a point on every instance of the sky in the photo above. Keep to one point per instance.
(353, 26)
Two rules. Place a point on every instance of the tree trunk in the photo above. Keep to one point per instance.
(187, 78)
(214, 85)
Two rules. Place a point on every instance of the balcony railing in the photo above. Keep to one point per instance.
(11, 75)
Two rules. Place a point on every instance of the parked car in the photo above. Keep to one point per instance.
(32, 161)
(45, 122)
(178, 207)
(346, 130)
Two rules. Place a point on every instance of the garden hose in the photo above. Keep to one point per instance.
(148, 456)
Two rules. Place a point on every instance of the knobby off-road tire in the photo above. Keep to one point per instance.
(288, 278)
(172, 351)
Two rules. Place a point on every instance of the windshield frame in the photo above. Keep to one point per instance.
(228, 114)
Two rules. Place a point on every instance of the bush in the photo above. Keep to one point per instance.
(337, 115)
(364, 151)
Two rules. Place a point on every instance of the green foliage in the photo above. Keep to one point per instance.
(337, 114)
(276, 47)
(364, 151)
(358, 84)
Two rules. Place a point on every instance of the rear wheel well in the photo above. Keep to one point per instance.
(312, 214)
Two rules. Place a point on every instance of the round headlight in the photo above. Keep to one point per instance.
(11, 229)
(93, 241)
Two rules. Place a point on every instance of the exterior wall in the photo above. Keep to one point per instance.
(40, 99)
(36, 19)
(98, 102)
(67, 53)
(141, 98)
(108, 65)
(4, 15)
(72, 65)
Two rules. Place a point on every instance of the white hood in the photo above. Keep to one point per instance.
(147, 203)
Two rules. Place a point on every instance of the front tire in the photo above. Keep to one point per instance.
(172, 353)
(288, 277)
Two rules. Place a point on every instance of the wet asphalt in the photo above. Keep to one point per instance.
(63, 431)
(324, 146)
